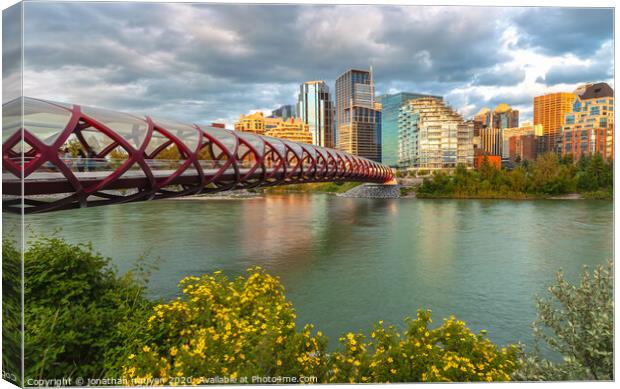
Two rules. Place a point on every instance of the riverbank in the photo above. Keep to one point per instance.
(241, 194)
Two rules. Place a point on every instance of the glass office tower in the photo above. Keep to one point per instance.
(285, 112)
(316, 109)
(357, 118)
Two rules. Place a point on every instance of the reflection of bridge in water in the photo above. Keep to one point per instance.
(70, 156)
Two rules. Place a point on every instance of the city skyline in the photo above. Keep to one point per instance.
(203, 65)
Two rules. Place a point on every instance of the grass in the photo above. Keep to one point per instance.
(318, 187)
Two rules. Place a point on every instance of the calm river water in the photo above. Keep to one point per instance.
(347, 263)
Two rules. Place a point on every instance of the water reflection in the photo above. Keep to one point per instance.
(346, 262)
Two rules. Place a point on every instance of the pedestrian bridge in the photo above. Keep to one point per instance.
(60, 156)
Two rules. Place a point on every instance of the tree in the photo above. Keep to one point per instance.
(486, 169)
(517, 179)
(545, 174)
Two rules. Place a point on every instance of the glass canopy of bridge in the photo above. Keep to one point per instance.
(74, 156)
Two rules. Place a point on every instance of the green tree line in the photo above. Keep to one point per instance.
(548, 175)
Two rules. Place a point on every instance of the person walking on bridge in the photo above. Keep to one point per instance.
(91, 162)
(81, 161)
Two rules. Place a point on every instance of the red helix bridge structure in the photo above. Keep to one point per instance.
(58, 156)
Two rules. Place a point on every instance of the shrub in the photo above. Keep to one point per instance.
(222, 328)
(578, 324)
(78, 314)
(450, 352)
(11, 311)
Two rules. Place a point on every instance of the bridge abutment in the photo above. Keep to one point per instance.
(374, 191)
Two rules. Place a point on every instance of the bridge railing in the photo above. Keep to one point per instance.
(72, 156)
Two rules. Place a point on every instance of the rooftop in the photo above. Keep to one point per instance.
(593, 91)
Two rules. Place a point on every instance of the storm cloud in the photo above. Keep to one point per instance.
(212, 62)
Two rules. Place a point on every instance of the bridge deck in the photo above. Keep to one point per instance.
(39, 183)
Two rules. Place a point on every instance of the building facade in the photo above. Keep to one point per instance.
(489, 127)
(316, 108)
(550, 111)
(256, 123)
(493, 160)
(522, 148)
(357, 120)
(285, 112)
(505, 117)
(293, 129)
(390, 105)
(491, 141)
(526, 129)
(483, 117)
(432, 135)
(589, 127)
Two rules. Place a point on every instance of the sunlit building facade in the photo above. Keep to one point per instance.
(491, 141)
(432, 135)
(390, 105)
(293, 129)
(357, 118)
(589, 127)
(526, 129)
(505, 117)
(489, 127)
(316, 109)
(256, 123)
(483, 117)
(550, 111)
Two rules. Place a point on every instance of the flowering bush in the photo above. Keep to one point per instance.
(227, 329)
(450, 352)
(234, 329)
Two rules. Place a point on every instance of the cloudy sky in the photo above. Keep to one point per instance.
(203, 63)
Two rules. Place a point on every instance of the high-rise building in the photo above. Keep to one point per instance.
(490, 125)
(483, 117)
(432, 135)
(390, 105)
(550, 111)
(285, 112)
(293, 129)
(315, 108)
(589, 127)
(491, 141)
(356, 116)
(505, 117)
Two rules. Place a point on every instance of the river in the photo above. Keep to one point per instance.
(347, 263)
